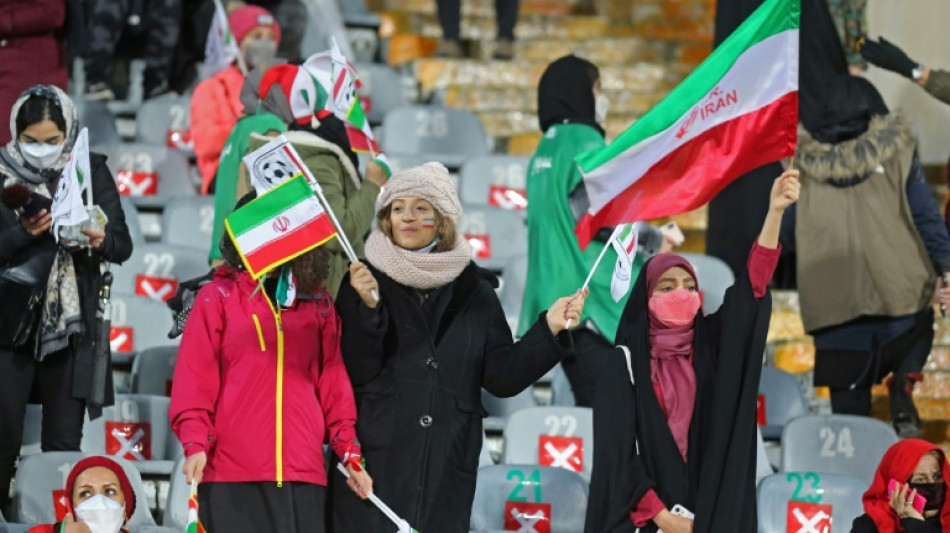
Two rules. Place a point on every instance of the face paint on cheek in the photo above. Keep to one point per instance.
(428, 223)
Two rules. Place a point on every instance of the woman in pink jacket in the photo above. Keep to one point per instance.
(258, 388)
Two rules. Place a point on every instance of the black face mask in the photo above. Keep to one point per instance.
(935, 493)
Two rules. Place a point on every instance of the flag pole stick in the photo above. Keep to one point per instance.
(590, 275)
(240, 59)
(390, 514)
(344, 241)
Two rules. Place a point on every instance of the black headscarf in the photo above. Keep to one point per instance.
(848, 105)
(634, 449)
(566, 93)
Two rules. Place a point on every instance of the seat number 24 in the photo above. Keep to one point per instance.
(835, 443)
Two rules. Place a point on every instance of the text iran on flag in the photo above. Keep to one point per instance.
(278, 226)
(737, 111)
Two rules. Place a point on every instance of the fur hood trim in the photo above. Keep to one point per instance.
(859, 157)
(304, 140)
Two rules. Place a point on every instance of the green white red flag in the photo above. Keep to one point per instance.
(624, 241)
(194, 524)
(306, 96)
(737, 111)
(283, 223)
(68, 208)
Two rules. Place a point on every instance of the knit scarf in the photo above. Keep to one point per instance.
(417, 270)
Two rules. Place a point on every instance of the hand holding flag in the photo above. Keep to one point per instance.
(194, 524)
(403, 526)
(68, 207)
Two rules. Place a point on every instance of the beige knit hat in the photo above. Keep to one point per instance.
(430, 182)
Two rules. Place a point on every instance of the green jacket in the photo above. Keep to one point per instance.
(556, 265)
(352, 200)
(226, 181)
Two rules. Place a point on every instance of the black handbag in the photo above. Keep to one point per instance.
(23, 284)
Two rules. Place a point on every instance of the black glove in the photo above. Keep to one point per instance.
(887, 56)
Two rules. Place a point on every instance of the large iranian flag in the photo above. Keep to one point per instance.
(283, 223)
(737, 111)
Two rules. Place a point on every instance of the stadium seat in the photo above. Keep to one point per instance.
(809, 501)
(40, 478)
(551, 436)
(715, 277)
(100, 121)
(165, 121)
(179, 492)
(561, 393)
(514, 277)
(497, 181)
(153, 369)
(132, 221)
(499, 409)
(137, 323)
(837, 444)
(450, 136)
(32, 430)
(784, 400)
(6, 527)
(517, 497)
(150, 175)
(484, 457)
(189, 221)
(155, 270)
(762, 466)
(381, 92)
(136, 429)
(496, 236)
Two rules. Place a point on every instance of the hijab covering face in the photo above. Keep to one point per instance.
(566, 93)
(100, 460)
(848, 105)
(670, 351)
(12, 155)
(899, 463)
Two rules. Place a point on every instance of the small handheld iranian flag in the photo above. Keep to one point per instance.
(68, 208)
(306, 96)
(278, 226)
(737, 111)
(194, 524)
(624, 242)
(221, 49)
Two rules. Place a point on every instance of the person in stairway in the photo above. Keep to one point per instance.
(159, 21)
(101, 499)
(423, 332)
(864, 192)
(259, 386)
(450, 18)
(674, 415)
(571, 111)
(919, 469)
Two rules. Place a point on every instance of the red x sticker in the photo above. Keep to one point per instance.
(122, 339)
(156, 288)
(61, 504)
(481, 245)
(180, 139)
(807, 517)
(508, 198)
(528, 517)
(561, 452)
(135, 183)
(129, 440)
(760, 410)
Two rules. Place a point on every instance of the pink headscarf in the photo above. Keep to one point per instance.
(671, 368)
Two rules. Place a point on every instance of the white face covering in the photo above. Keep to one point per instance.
(601, 105)
(41, 155)
(260, 52)
(101, 514)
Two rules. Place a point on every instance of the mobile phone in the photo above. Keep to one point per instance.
(919, 501)
(682, 511)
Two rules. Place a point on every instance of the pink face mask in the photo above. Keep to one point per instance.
(676, 308)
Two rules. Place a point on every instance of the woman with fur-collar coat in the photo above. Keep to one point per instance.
(870, 244)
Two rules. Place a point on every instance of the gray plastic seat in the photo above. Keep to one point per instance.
(784, 400)
(138, 323)
(532, 493)
(150, 175)
(778, 493)
(165, 121)
(153, 369)
(382, 90)
(96, 116)
(496, 236)
(495, 180)
(136, 429)
(189, 221)
(32, 430)
(499, 409)
(561, 393)
(179, 492)
(838, 444)
(514, 277)
(484, 457)
(39, 475)
(450, 136)
(763, 468)
(526, 428)
(715, 277)
(132, 220)
(155, 269)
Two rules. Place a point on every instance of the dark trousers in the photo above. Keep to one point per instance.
(22, 377)
(255, 507)
(450, 17)
(583, 366)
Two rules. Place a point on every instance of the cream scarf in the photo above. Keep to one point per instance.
(417, 270)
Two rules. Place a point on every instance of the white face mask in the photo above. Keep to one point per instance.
(601, 105)
(101, 514)
(41, 155)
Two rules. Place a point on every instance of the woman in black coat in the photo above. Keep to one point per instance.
(419, 355)
(56, 364)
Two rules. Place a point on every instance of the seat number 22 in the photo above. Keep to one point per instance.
(835, 443)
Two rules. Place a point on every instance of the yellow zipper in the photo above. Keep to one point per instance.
(260, 333)
(279, 446)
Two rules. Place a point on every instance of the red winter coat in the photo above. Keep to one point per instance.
(215, 109)
(32, 50)
(236, 372)
(54, 528)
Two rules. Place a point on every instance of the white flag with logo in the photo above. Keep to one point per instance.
(275, 163)
(68, 208)
(220, 49)
(624, 242)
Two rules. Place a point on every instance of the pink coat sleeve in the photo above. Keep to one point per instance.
(197, 379)
(212, 120)
(27, 18)
(334, 389)
(649, 506)
(761, 266)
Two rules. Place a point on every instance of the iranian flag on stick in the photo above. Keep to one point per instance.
(737, 111)
(194, 524)
(278, 226)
